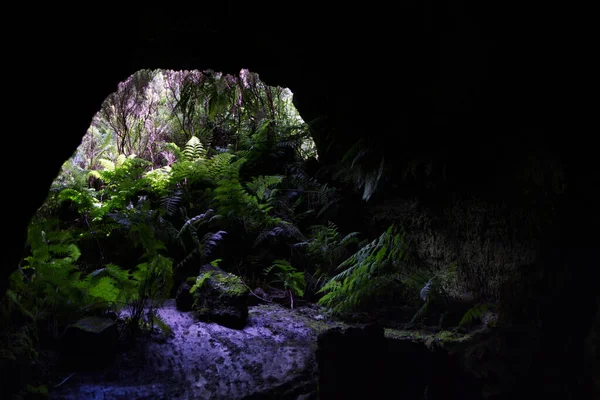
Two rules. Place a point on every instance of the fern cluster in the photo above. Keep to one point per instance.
(327, 248)
(366, 273)
(363, 168)
(291, 280)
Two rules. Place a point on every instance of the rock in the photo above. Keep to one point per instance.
(349, 360)
(592, 353)
(273, 357)
(184, 299)
(90, 343)
(221, 298)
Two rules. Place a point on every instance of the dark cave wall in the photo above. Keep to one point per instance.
(452, 82)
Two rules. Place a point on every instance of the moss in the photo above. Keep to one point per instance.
(230, 284)
(320, 326)
(444, 337)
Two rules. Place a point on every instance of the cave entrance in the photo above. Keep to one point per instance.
(178, 143)
(178, 170)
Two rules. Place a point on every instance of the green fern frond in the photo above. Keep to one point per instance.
(278, 228)
(95, 174)
(263, 186)
(107, 165)
(193, 223)
(105, 290)
(286, 275)
(200, 282)
(159, 179)
(120, 275)
(219, 166)
(194, 150)
(350, 238)
(82, 198)
(171, 203)
(421, 311)
(161, 324)
(366, 273)
(475, 313)
(121, 158)
(16, 304)
(70, 251)
(210, 240)
(215, 263)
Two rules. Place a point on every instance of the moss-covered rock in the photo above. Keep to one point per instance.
(449, 340)
(220, 297)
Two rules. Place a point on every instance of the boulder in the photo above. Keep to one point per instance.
(350, 360)
(90, 343)
(221, 298)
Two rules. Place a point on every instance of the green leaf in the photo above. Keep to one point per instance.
(105, 289)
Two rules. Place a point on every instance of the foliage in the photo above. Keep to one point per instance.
(362, 167)
(49, 291)
(176, 166)
(314, 197)
(367, 273)
(204, 246)
(200, 281)
(327, 248)
(154, 278)
(476, 313)
(51, 282)
(291, 280)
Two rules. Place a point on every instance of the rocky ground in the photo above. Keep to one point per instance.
(272, 357)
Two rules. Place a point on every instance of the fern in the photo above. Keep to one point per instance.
(188, 173)
(291, 280)
(171, 203)
(263, 187)
(366, 273)
(154, 280)
(107, 165)
(476, 313)
(199, 282)
(159, 180)
(319, 197)
(51, 265)
(421, 311)
(278, 228)
(220, 166)
(154, 318)
(362, 169)
(194, 150)
(105, 290)
(110, 284)
(327, 248)
(203, 247)
(82, 198)
(210, 241)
